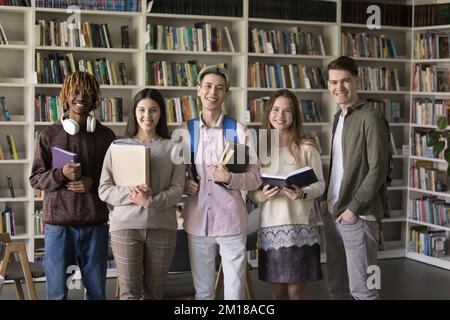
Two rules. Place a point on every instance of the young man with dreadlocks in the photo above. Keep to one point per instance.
(76, 230)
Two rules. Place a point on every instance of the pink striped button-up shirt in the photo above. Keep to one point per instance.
(216, 210)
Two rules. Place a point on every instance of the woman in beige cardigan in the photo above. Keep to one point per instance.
(288, 238)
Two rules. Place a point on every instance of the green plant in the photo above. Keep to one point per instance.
(437, 140)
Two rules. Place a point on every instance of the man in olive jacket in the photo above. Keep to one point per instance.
(356, 188)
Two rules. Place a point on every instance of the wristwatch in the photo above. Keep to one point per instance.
(304, 195)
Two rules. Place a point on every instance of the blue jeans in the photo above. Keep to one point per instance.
(67, 246)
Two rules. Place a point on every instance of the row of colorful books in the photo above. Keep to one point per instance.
(168, 73)
(428, 242)
(423, 175)
(55, 67)
(179, 109)
(420, 146)
(391, 110)
(427, 111)
(201, 37)
(286, 42)
(432, 45)
(374, 79)
(296, 76)
(58, 33)
(367, 45)
(430, 210)
(430, 78)
(7, 221)
(11, 152)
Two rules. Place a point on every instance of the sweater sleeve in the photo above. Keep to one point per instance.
(107, 190)
(316, 189)
(43, 177)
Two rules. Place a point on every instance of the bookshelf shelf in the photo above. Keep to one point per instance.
(195, 53)
(13, 123)
(432, 28)
(429, 224)
(166, 16)
(20, 237)
(14, 46)
(90, 12)
(21, 84)
(20, 161)
(431, 61)
(95, 49)
(432, 94)
(415, 125)
(289, 56)
(14, 9)
(397, 60)
(291, 22)
(377, 92)
(443, 262)
(17, 199)
(431, 193)
(383, 27)
(443, 161)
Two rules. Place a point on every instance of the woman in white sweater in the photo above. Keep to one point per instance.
(288, 238)
(143, 222)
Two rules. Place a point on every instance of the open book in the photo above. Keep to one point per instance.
(61, 157)
(130, 164)
(301, 177)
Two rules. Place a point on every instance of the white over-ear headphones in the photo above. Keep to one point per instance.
(72, 127)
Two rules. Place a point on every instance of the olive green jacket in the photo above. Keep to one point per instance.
(365, 151)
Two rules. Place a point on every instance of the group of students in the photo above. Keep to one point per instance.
(82, 204)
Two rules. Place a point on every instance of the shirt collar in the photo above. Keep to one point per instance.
(218, 124)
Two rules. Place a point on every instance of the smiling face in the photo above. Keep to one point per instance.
(147, 116)
(80, 103)
(343, 87)
(212, 91)
(280, 116)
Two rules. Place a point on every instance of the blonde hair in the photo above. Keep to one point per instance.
(82, 81)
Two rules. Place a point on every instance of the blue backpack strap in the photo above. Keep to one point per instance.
(193, 127)
(229, 129)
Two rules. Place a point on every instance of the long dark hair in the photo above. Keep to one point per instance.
(161, 127)
(295, 131)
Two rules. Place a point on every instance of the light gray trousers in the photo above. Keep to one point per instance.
(351, 248)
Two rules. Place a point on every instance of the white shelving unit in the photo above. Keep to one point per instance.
(443, 262)
(18, 84)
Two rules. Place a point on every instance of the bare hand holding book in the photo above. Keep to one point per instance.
(301, 177)
(235, 157)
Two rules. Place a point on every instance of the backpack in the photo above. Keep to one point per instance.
(229, 125)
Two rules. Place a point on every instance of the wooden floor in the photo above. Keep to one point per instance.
(400, 279)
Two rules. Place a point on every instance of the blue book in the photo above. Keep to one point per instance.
(61, 157)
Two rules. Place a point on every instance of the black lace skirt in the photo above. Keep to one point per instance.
(290, 265)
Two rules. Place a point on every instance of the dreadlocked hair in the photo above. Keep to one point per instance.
(80, 81)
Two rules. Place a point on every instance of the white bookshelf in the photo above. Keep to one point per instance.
(17, 83)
